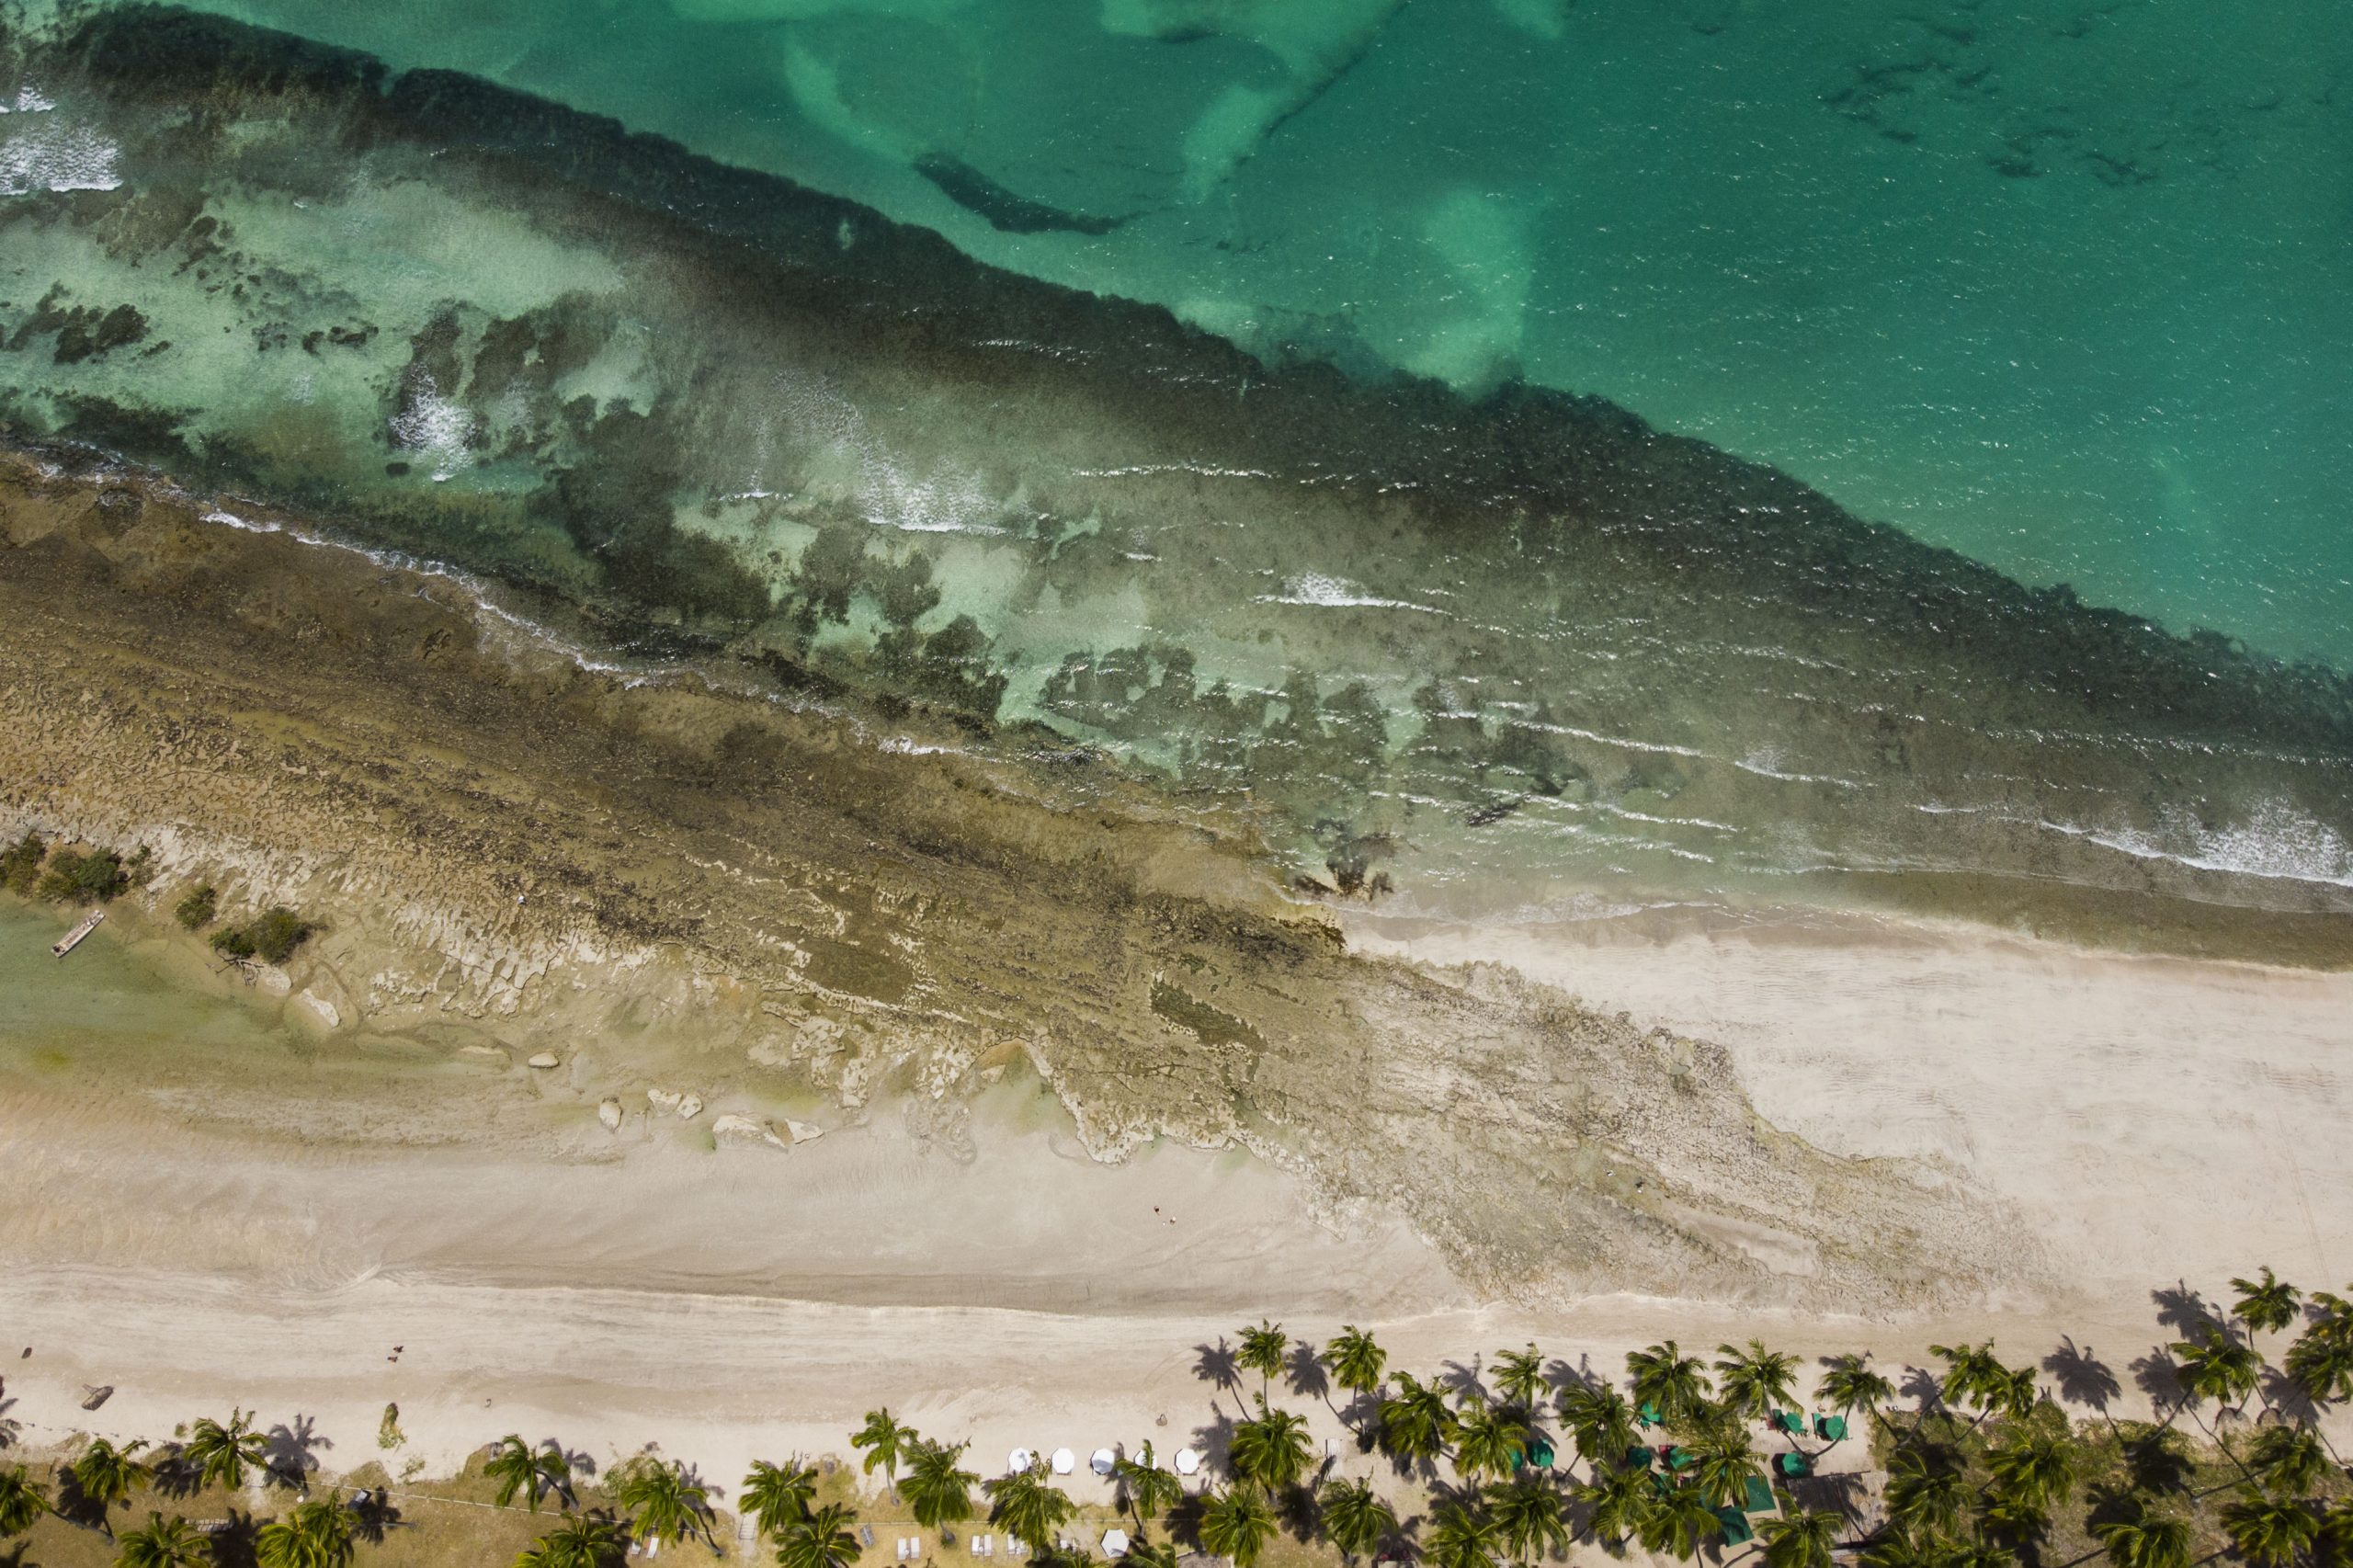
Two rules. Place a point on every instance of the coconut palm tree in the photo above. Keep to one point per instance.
(1519, 1378)
(518, 1467)
(163, 1543)
(2321, 1360)
(1802, 1538)
(1144, 1489)
(1681, 1522)
(2265, 1305)
(222, 1453)
(1600, 1423)
(1527, 1510)
(2219, 1367)
(777, 1496)
(1270, 1449)
(1357, 1364)
(1355, 1519)
(1972, 1375)
(2334, 1548)
(883, 1439)
(1925, 1490)
(1416, 1423)
(2270, 1532)
(2143, 1536)
(1459, 1538)
(2289, 1460)
(1262, 1351)
(2035, 1464)
(1756, 1382)
(308, 1535)
(1488, 1441)
(1850, 1384)
(1237, 1523)
(21, 1502)
(1723, 1465)
(1617, 1504)
(2013, 1518)
(938, 1491)
(665, 1500)
(1675, 1385)
(1144, 1554)
(582, 1541)
(819, 1538)
(106, 1475)
(1028, 1505)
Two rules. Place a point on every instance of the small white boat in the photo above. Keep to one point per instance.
(72, 939)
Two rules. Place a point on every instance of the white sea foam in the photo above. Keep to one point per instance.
(2274, 841)
(52, 156)
(437, 427)
(1314, 588)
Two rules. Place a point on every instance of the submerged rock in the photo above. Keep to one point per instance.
(609, 1113)
(544, 1060)
(735, 1127)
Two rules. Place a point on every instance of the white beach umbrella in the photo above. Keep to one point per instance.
(1187, 1462)
(1065, 1462)
(1103, 1462)
(1018, 1460)
(1114, 1543)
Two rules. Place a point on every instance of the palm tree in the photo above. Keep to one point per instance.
(107, 1475)
(1925, 1490)
(2335, 1545)
(666, 1500)
(1972, 1375)
(2289, 1460)
(222, 1453)
(582, 1541)
(21, 1502)
(518, 1467)
(937, 1491)
(1143, 1553)
(1488, 1441)
(1459, 1538)
(2143, 1536)
(309, 1535)
(1848, 1384)
(1801, 1540)
(1236, 1523)
(2014, 1517)
(1528, 1512)
(1681, 1522)
(1417, 1424)
(1756, 1382)
(2218, 1367)
(775, 1497)
(1270, 1449)
(2036, 1464)
(1028, 1506)
(819, 1538)
(2268, 1531)
(1145, 1489)
(1355, 1519)
(1357, 1364)
(1666, 1380)
(1724, 1466)
(885, 1440)
(2265, 1305)
(164, 1543)
(1519, 1378)
(1263, 1349)
(2321, 1360)
(1616, 1504)
(1600, 1423)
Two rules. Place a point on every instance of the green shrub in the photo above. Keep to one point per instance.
(270, 936)
(74, 877)
(199, 907)
(20, 863)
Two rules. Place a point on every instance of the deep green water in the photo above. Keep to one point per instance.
(2066, 287)
(2067, 297)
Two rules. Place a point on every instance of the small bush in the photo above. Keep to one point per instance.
(199, 907)
(73, 877)
(20, 863)
(270, 936)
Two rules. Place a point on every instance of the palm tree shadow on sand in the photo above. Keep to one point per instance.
(2081, 1377)
(1216, 1365)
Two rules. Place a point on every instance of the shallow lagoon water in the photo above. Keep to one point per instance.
(2064, 289)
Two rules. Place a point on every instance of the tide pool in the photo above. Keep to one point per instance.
(2063, 288)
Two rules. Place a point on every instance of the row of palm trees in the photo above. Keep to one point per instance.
(1978, 1477)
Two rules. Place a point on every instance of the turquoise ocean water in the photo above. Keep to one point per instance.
(2067, 287)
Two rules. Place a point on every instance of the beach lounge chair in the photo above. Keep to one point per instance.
(1647, 1415)
(1676, 1457)
(1013, 1547)
(1760, 1496)
(1736, 1526)
(1792, 1465)
(1830, 1428)
(1789, 1421)
(866, 1535)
